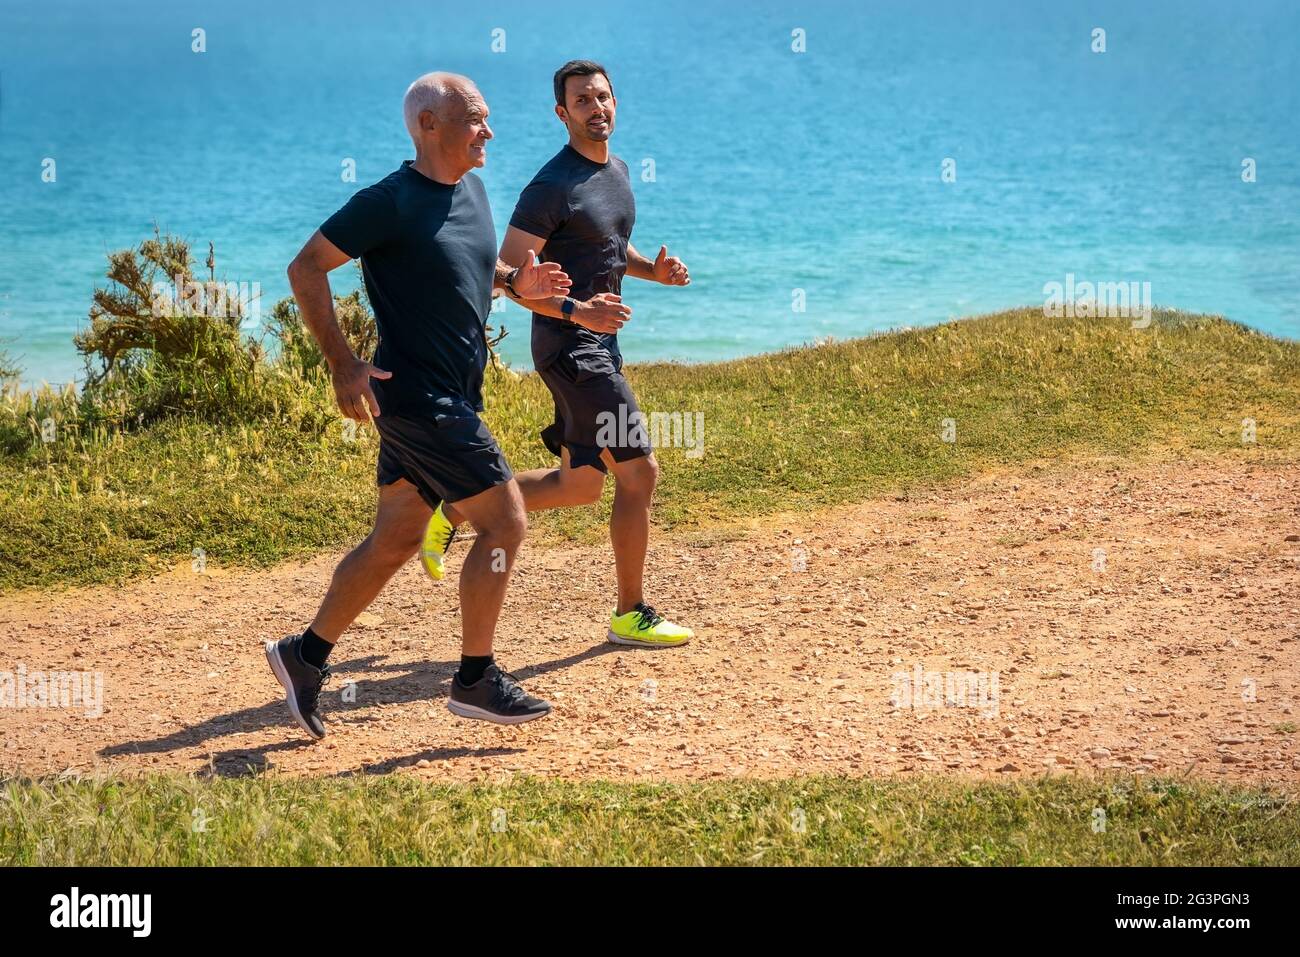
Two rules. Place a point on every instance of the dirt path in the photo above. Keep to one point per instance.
(1181, 655)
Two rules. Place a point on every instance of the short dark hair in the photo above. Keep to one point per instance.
(577, 68)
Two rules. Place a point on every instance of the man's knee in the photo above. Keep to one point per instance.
(639, 476)
(508, 532)
(399, 525)
(507, 525)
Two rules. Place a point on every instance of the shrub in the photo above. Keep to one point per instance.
(153, 350)
(298, 349)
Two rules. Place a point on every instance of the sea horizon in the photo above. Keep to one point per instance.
(963, 168)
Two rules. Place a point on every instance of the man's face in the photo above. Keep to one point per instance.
(588, 109)
(463, 131)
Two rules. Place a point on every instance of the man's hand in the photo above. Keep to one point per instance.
(352, 388)
(670, 270)
(603, 312)
(536, 280)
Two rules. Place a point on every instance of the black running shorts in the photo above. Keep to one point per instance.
(447, 456)
(594, 408)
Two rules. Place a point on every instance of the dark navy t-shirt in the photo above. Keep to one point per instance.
(428, 254)
(585, 211)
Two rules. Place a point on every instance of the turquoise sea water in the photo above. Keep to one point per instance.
(775, 171)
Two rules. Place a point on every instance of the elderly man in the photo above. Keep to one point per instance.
(427, 247)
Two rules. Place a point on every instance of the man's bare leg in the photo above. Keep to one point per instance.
(364, 571)
(498, 517)
(298, 661)
(490, 694)
(551, 488)
(629, 525)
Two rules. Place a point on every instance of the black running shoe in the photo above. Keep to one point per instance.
(497, 697)
(302, 682)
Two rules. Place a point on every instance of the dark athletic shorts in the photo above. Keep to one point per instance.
(447, 456)
(594, 409)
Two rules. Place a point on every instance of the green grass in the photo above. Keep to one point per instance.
(396, 819)
(798, 429)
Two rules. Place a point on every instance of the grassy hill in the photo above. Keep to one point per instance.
(802, 428)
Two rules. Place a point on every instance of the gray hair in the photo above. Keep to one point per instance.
(431, 92)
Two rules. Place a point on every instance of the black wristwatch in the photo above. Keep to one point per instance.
(566, 308)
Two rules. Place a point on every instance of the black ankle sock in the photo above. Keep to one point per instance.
(315, 649)
(472, 668)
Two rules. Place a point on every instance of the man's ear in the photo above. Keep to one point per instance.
(562, 113)
(427, 120)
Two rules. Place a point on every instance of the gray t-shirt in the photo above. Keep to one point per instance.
(585, 211)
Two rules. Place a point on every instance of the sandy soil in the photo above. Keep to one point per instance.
(1173, 650)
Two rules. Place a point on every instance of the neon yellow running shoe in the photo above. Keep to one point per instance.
(644, 626)
(437, 539)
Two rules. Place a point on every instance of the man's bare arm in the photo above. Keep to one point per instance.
(638, 267)
(601, 313)
(309, 279)
(665, 269)
(531, 280)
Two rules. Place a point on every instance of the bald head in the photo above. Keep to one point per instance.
(438, 93)
(447, 118)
